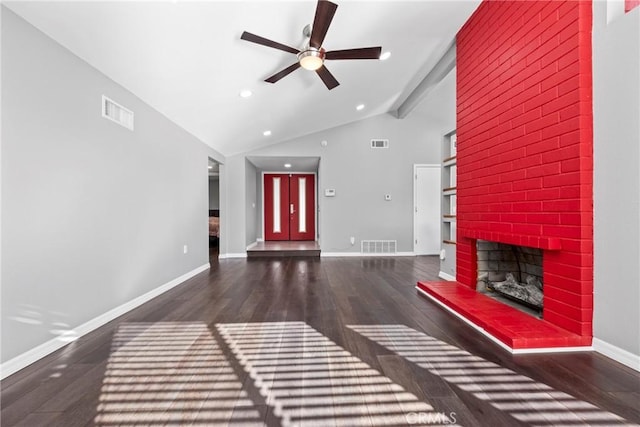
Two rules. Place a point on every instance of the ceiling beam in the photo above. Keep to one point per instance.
(445, 64)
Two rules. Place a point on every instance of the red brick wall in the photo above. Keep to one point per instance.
(630, 4)
(525, 144)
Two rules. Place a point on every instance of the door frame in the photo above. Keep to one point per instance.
(315, 198)
(415, 200)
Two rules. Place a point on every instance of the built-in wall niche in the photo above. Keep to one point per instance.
(449, 219)
(448, 206)
(449, 188)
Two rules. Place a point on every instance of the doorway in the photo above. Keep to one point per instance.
(289, 207)
(214, 210)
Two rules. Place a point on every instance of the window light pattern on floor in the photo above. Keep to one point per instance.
(521, 397)
(309, 380)
(171, 374)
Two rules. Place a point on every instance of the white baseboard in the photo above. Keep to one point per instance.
(259, 239)
(252, 245)
(360, 254)
(616, 353)
(446, 277)
(232, 255)
(496, 340)
(28, 357)
(339, 254)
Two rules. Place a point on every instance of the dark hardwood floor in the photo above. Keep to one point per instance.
(307, 341)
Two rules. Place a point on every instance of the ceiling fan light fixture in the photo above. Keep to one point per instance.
(312, 55)
(311, 59)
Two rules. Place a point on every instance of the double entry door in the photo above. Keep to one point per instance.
(289, 207)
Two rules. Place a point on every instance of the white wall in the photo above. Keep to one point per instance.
(93, 215)
(361, 177)
(616, 105)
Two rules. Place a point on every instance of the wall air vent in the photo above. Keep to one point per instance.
(117, 113)
(379, 143)
(379, 247)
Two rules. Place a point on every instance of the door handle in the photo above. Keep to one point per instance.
(292, 209)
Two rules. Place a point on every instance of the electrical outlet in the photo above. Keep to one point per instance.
(185, 249)
(352, 240)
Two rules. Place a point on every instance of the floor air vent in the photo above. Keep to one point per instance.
(115, 112)
(379, 246)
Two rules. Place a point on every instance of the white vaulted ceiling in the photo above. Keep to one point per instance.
(187, 61)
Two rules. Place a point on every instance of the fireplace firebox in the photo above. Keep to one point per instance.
(512, 274)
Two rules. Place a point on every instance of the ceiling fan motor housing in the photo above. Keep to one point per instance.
(306, 31)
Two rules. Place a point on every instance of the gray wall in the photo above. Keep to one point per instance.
(251, 202)
(440, 109)
(93, 215)
(214, 193)
(233, 235)
(260, 206)
(360, 175)
(616, 104)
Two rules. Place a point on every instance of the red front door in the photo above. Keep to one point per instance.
(289, 207)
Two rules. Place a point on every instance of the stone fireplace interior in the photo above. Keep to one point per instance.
(511, 274)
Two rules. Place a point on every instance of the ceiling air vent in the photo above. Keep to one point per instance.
(379, 143)
(117, 113)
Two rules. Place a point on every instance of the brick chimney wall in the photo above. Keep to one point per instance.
(525, 145)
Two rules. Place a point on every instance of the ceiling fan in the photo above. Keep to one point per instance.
(313, 55)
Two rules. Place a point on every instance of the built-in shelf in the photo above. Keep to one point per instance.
(449, 161)
(449, 191)
(448, 204)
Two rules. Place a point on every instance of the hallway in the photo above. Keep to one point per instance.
(310, 341)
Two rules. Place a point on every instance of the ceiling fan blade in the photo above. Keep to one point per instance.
(361, 53)
(324, 15)
(266, 42)
(327, 77)
(277, 76)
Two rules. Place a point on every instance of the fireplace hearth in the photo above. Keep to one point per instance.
(511, 274)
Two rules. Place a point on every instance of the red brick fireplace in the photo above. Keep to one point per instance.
(525, 143)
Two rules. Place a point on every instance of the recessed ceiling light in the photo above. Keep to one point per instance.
(385, 56)
(245, 93)
(360, 107)
(210, 167)
(287, 165)
(266, 133)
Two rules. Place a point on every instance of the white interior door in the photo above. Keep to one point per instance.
(426, 222)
